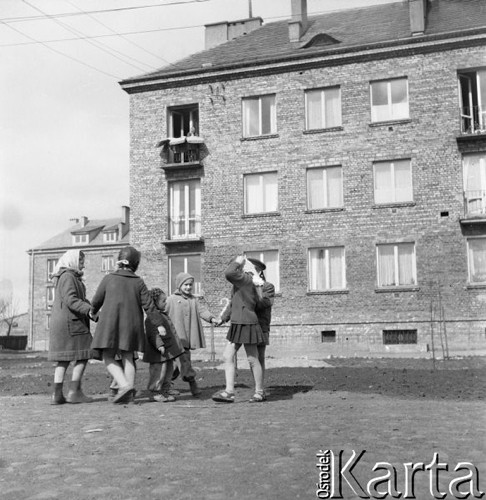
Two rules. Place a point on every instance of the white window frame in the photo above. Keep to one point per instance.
(393, 114)
(393, 188)
(110, 236)
(107, 259)
(272, 117)
(186, 219)
(50, 296)
(325, 184)
(264, 194)
(323, 104)
(327, 265)
(193, 120)
(51, 266)
(81, 239)
(272, 277)
(475, 200)
(470, 262)
(396, 271)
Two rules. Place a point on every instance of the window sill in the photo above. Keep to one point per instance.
(476, 286)
(323, 130)
(177, 166)
(258, 137)
(344, 291)
(393, 289)
(395, 205)
(389, 123)
(262, 214)
(324, 210)
(195, 239)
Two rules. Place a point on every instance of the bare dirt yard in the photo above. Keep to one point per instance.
(396, 410)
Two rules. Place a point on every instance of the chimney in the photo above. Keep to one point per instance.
(84, 220)
(218, 33)
(124, 225)
(298, 24)
(418, 15)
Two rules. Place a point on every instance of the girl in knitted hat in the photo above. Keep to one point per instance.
(185, 310)
(121, 298)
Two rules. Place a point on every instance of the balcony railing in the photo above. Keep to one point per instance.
(473, 120)
(475, 203)
(185, 228)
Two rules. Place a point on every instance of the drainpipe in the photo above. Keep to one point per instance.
(31, 292)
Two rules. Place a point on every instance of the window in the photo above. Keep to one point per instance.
(50, 295)
(259, 116)
(183, 121)
(393, 181)
(51, 266)
(391, 337)
(81, 239)
(261, 193)
(474, 166)
(110, 236)
(185, 264)
(328, 336)
(270, 259)
(324, 187)
(323, 108)
(48, 321)
(107, 263)
(472, 93)
(396, 264)
(389, 100)
(327, 269)
(476, 250)
(185, 209)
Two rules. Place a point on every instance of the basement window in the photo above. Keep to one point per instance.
(393, 337)
(328, 336)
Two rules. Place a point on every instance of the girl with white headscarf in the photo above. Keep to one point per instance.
(70, 337)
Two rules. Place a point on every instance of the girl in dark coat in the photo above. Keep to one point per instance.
(245, 327)
(121, 298)
(161, 350)
(69, 337)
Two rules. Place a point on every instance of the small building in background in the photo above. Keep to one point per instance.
(99, 239)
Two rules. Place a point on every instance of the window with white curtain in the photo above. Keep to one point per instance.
(261, 193)
(50, 296)
(107, 263)
(474, 166)
(81, 239)
(51, 266)
(190, 264)
(396, 264)
(185, 209)
(389, 100)
(323, 108)
(270, 259)
(259, 116)
(476, 251)
(393, 181)
(324, 187)
(110, 236)
(327, 269)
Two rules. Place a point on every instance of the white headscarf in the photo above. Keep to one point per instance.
(69, 260)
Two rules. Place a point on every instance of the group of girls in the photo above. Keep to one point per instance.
(172, 327)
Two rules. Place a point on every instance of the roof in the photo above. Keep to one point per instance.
(95, 227)
(351, 29)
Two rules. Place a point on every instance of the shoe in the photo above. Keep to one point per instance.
(195, 391)
(173, 392)
(124, 395)
(164, 398)
(258, 397)
(57, 400)
(75, 395)
(224, 397)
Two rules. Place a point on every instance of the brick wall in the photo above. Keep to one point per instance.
(428, 139)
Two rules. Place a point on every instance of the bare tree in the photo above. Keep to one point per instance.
(8, 313)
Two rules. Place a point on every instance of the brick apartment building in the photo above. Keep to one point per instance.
(347, 151)
(100, 240)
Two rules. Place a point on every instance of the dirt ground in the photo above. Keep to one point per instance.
(398, 410)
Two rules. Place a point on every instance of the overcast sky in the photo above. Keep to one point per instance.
(64, 129)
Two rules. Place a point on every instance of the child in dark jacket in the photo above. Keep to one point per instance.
(161, 350)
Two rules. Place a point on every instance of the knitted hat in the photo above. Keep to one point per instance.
(181, 278)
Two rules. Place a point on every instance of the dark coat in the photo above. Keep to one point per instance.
(121, 298)
(69, 337)
(264, 306)
(153, 340)
(244, 296)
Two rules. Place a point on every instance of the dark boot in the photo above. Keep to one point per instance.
(58, 397)
(75, 394)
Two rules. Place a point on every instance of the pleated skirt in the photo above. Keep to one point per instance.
(247, 334)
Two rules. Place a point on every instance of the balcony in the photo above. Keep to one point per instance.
(474, 206)
(473, 122)
(181, 151)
